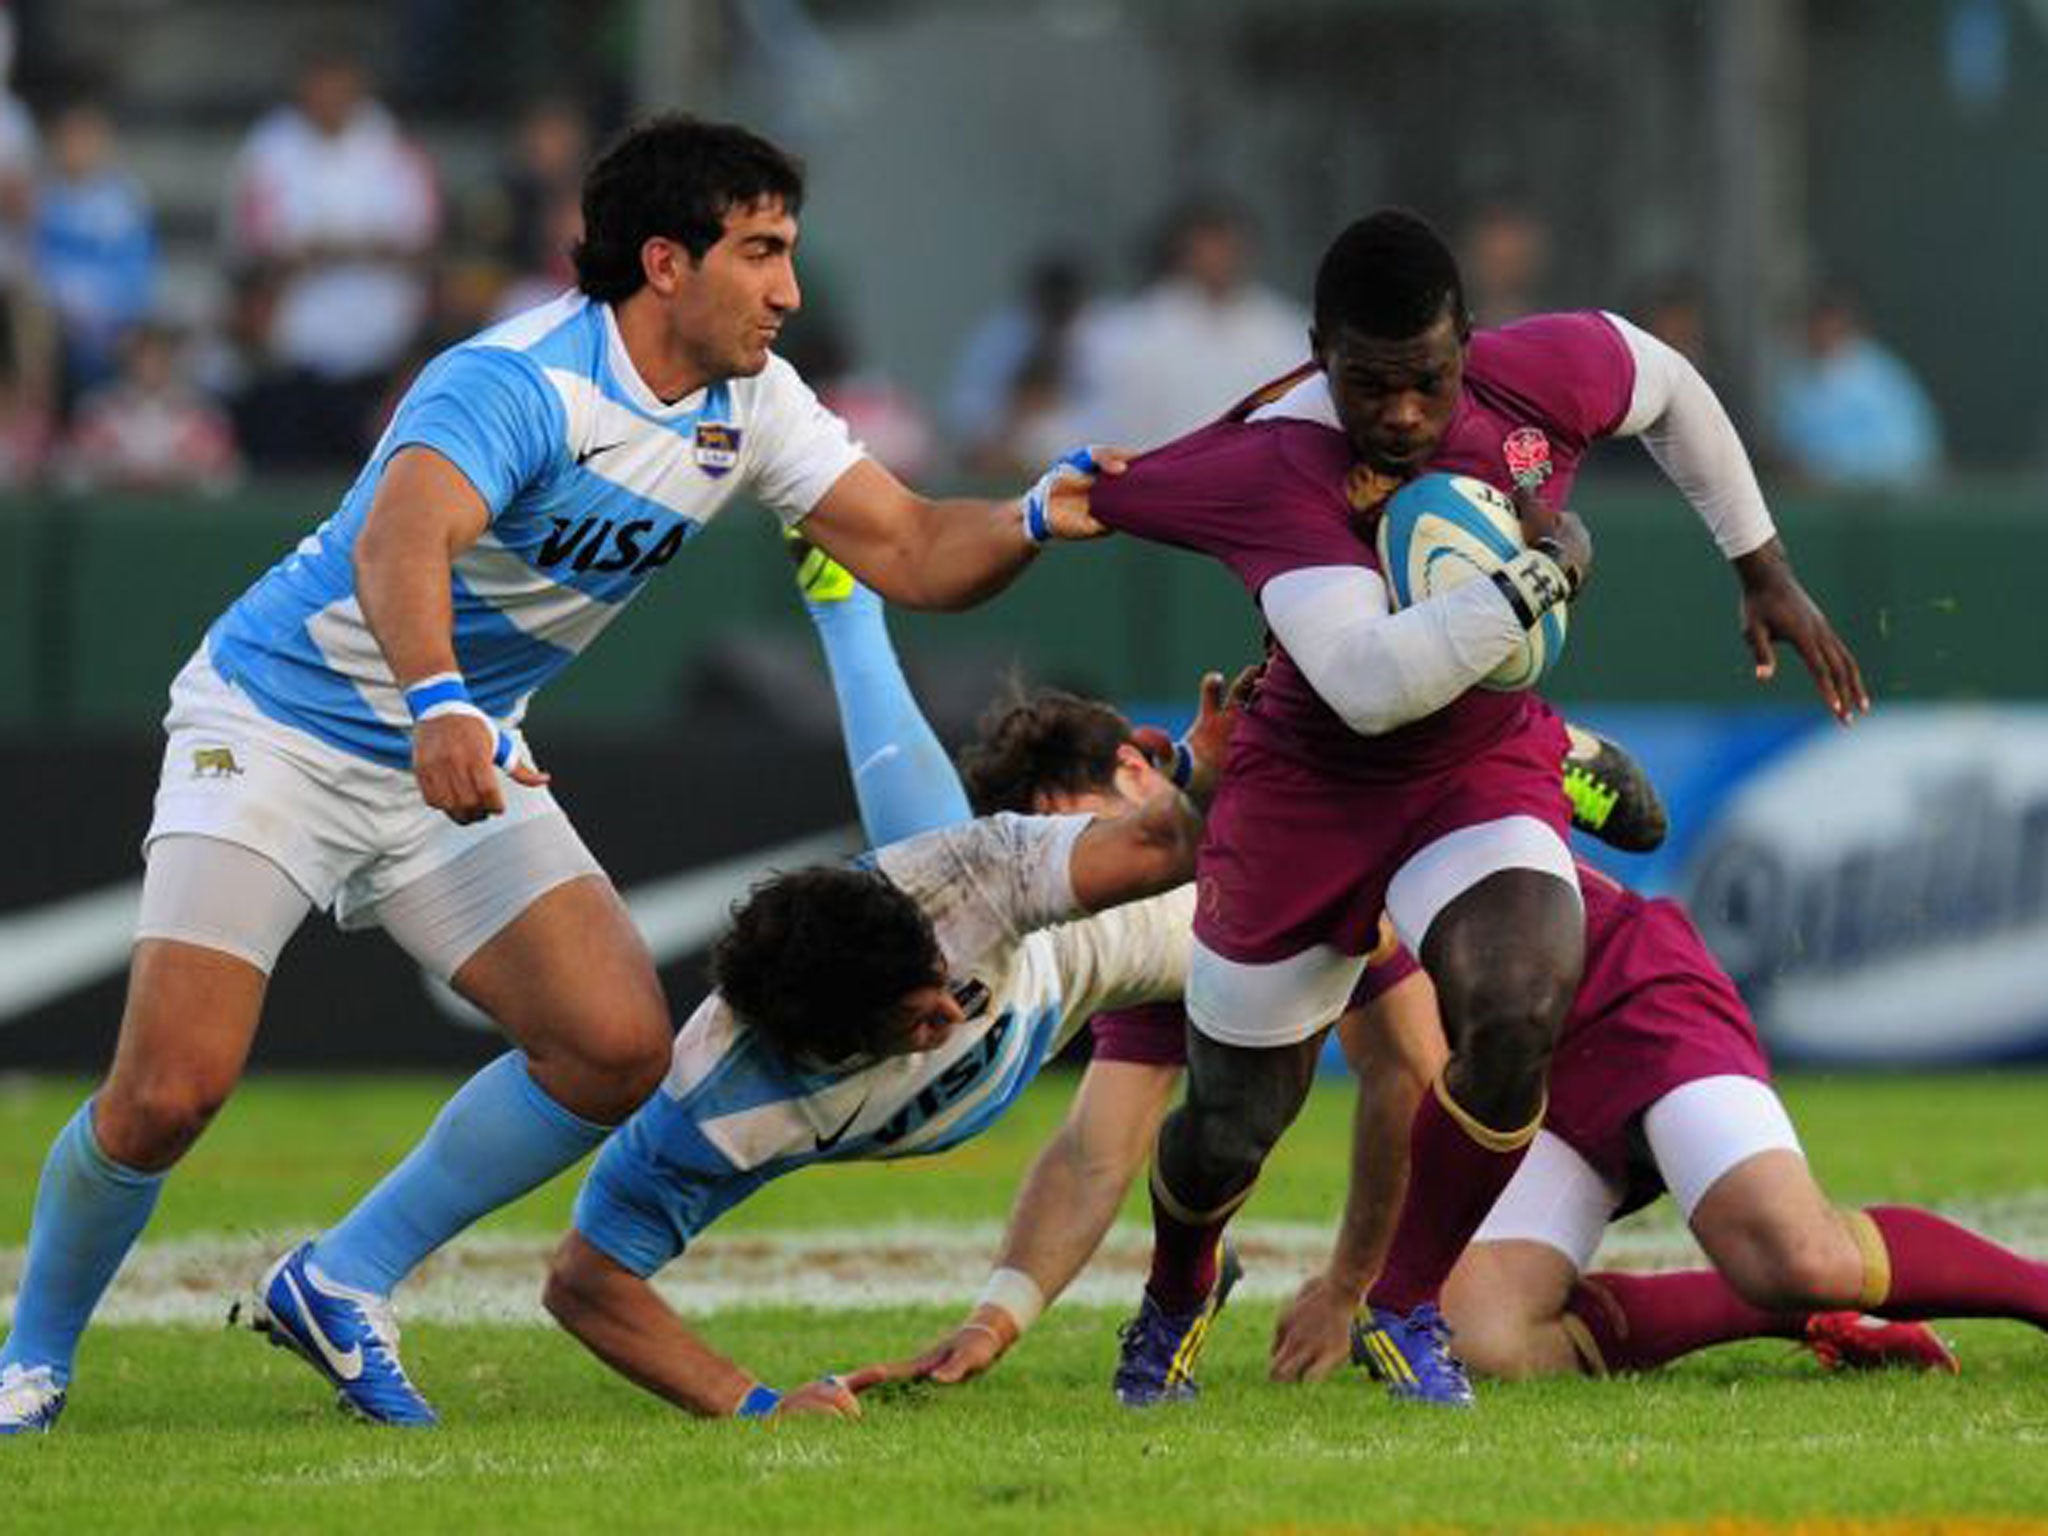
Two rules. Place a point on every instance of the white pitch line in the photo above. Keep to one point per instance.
(193, 1280)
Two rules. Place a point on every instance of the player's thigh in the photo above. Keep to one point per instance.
(214, 917)
(1727, 1151)
(1505, 1302)
(1776, 1237)
(1268, 1004)
(1439, 881)
(1242, 1098)
(570, 980)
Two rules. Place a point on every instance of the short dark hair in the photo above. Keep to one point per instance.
(1388, 276)
(818, 961)
(1048, 741)
(677, 177)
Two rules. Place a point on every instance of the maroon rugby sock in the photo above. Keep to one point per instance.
(1938, 1269)
(1183, 1251)
(1456, 1170)
(1637, 1322)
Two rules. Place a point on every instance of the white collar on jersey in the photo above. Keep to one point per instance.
(636, 388)
(1307, 401)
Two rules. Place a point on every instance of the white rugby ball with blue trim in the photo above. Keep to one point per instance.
(1439, 532)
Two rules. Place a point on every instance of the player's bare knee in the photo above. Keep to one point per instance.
(565, 1292)
(1495, 1347)
(1813, 1272)
(151, 1122)
(617, 1068)
(1785, 1266)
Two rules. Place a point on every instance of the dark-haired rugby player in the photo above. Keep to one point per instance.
(1371, 775)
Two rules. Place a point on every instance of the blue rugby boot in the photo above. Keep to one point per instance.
(348, 1336)
(1411, 1355)
(1156, 1361)
(31, 1397)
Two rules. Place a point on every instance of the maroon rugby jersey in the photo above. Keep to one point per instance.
(1270, 490)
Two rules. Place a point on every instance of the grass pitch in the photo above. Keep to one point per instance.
(179, 1427)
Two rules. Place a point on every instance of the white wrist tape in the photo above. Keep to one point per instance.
(1016, 1293)
(1533, 584)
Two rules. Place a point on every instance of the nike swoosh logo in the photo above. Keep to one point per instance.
(827, 1143)
(347, 1365)
(590, 453)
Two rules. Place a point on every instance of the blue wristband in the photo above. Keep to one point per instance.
(443, 688)
(760, 1401)
(1037, 522)
(446, 693)
(1183, 771)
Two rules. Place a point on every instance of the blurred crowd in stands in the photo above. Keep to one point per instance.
(346, 264)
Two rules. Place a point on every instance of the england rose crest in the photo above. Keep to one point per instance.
(1527, 451)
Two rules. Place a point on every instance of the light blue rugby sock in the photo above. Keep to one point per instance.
(500, 1136)
(902, 778)
(89, 1211)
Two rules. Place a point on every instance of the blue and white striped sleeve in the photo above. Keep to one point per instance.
(492, 414)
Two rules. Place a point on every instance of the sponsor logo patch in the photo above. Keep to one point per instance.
(717, 447)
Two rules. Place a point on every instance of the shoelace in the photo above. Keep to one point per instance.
(1427, 1319)
(383, 1335)
(27, 1379)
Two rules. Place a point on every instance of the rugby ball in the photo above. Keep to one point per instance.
(1440, 531)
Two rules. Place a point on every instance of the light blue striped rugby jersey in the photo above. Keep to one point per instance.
(593, 484)
(734, 1113)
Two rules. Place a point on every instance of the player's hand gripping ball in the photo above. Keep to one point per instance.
(1440, 531)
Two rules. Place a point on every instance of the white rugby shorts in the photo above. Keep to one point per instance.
(351, 834)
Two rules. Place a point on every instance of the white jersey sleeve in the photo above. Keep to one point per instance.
(800, 448)
(1687, 431)
(1136, 953)
(1379, 669)
(987, 883)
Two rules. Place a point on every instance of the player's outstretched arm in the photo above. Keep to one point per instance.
(620, 1319)
(1152, 849)
(1776, 607)
(1396, 1048)
(1066, 1204)
(921, 552)
(424, 514)
(1688, 432)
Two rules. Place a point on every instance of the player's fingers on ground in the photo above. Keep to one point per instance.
(524, 772)
(881, 1372)
(968, 1358)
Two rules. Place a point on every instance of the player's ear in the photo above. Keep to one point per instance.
(663, 262)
